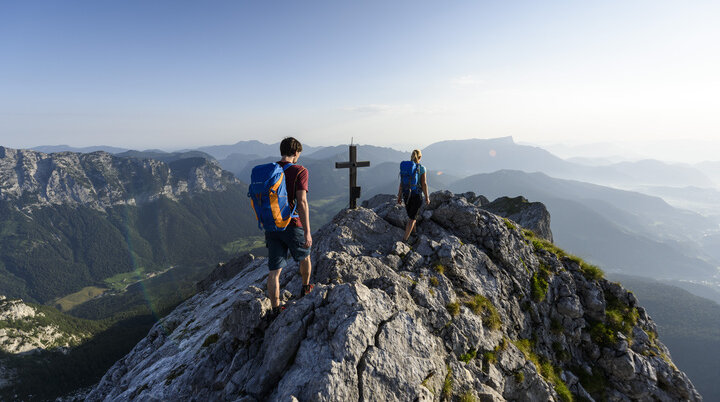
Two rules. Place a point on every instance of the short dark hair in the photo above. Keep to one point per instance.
(289, 146)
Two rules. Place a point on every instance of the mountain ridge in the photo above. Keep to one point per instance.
(100, 180)
(477, 308)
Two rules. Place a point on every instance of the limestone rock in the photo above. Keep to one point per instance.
(100, 180)
(530, 215)
(454, 316)
(23, 330)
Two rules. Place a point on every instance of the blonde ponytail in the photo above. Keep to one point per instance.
(416, 155)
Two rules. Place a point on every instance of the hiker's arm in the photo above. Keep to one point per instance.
(400, 193)
(304, 212)
(423, 180)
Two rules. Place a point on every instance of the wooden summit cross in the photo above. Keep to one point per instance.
(353, 164)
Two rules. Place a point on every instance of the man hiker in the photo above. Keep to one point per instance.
(296, 238)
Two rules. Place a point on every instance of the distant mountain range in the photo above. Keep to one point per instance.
(73, 220)
(48, 149)
(624, 230)
(611, 227)
(467, 157)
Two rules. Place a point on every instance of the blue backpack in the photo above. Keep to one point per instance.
(409, 176)
(269, 198)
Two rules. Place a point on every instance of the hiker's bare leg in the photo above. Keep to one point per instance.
(305, 269)
(274, 287)
(408, 229)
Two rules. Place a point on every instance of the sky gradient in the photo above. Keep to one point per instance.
(181, 74)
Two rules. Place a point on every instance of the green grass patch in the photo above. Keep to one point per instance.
(439, 268)
(70, 301)
(547, 370)
(466, 357)
(480, 305)
(539, 283)
(244, 245)
(426, 382)
(434, 281)
(453, 308)
(595, 383)
(525, 265)
(538, 287)
(526, 346)
(122, 280)
(620, 317)
(602, 335)
(519, 377)
(447, 387)
(490, 357)
(509, 224)
(468, 397)
(591, 272)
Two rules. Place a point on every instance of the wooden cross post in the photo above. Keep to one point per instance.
(353, 164)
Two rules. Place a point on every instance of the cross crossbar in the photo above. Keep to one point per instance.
(353, 164)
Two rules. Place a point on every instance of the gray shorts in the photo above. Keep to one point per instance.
(279, 243)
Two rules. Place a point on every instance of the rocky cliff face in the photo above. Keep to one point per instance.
(476, 307)
(99, 180)
(23, 330)
(530, 215)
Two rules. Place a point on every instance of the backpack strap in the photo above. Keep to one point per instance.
(293, 214)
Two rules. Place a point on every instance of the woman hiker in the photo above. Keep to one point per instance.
(413, 184)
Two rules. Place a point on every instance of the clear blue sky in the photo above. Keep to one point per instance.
(175, 74)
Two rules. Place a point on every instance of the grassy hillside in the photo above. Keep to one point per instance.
(57, 251)
(47, 375)
(112, 325)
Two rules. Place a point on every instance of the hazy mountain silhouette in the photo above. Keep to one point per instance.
(712, 170)
(48, 149)
(248, 148)
(467, 157)
(163, 156)
(365, 152)
(609, 226)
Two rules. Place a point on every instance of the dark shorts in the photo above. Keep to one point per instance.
(413, 204)
(279, 243)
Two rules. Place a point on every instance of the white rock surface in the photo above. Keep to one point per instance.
(100, 180)
(380, 326)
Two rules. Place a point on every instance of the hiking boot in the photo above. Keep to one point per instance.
(307, 289)
(276, 312)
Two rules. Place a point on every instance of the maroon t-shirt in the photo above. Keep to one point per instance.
(296, 178)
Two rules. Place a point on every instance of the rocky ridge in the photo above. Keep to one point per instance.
(477, 306)
(530, 215)
(100, 180)
(22, 330)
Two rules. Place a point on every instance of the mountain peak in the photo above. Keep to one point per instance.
(476, 305)
(100, 180)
